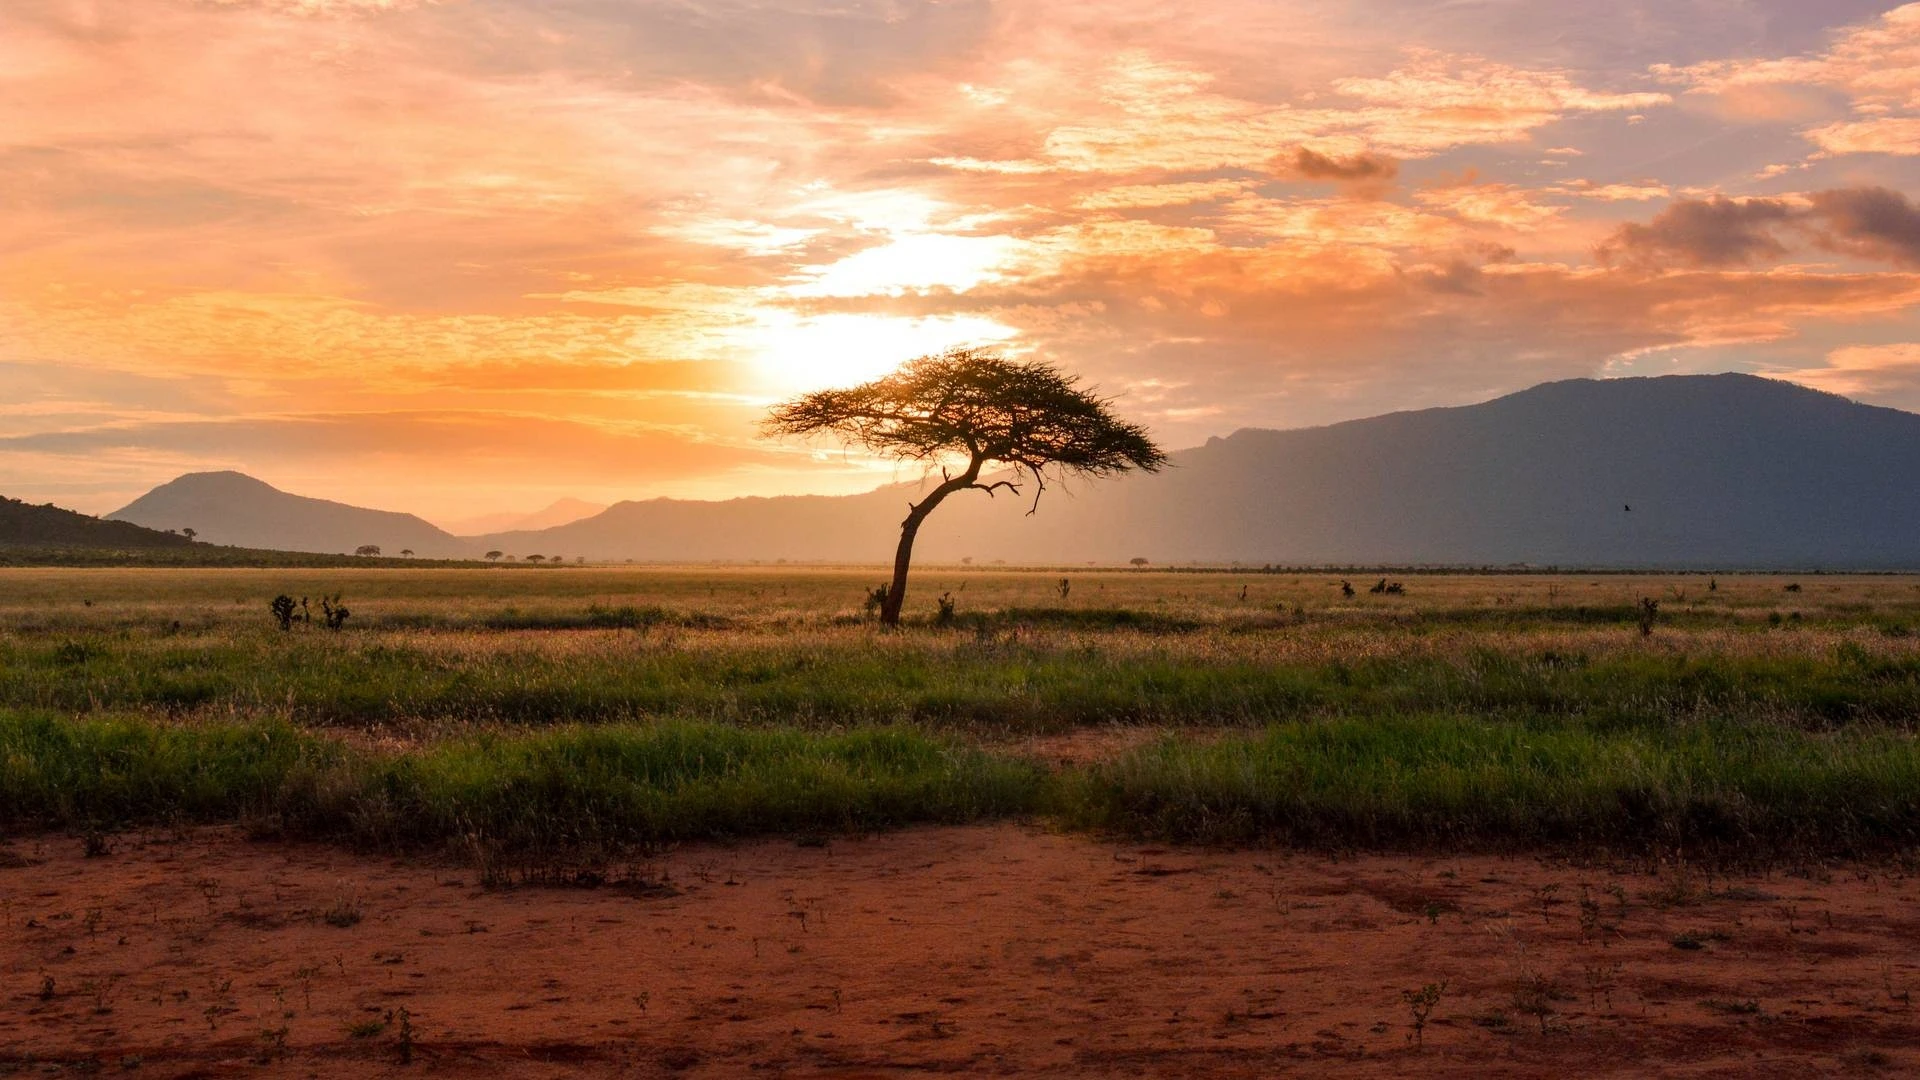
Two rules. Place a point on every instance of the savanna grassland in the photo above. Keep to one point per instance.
(684, 822)
(546, 709)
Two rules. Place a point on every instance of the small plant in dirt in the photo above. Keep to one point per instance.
(1544, 895)
(944, 617)
(1420, 1004)
(94, 844)
(1646, 614)
(1679, 887)
(403, 1040)
(366, 1029)
(273, 1045)
(1864, 1057)
(1589, 916)
(1689, 941)
(283, 611)
(46, 988)
(1534, 996)
(343, 912)
(1601, 981)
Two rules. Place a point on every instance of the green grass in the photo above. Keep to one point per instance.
(567, 787)
(1712, 790)
(1450, 782)
(952, 681)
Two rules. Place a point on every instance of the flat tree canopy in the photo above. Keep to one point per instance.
(976, 406)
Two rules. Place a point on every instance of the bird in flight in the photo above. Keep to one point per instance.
(1629, 509)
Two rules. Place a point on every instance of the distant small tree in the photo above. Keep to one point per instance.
(406, 553)
(189, 534)
(493, 556)
(367, 549)
(1647, 613)
(282, 608)
(333, 612)
(1137, 562)
(972, 405)
(536, 558)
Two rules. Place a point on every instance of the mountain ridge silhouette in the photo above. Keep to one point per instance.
(1721, 471)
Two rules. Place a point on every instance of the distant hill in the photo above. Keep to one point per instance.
(850, 528)
(558, 512)
(23, 525)
(1718, 471)
(236, 509)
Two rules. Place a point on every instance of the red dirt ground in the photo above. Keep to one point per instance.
(993, 950)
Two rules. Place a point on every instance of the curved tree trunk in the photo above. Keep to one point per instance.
(903, 555)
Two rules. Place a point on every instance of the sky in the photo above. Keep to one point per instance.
(469, 256)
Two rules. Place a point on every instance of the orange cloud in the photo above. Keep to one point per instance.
(1875, 65)
(1884, 374)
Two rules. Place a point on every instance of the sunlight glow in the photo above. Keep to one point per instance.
(912, 264)
(796, 353)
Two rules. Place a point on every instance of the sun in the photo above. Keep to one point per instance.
(795, 353)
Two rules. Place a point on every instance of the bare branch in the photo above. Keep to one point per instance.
(996, 485)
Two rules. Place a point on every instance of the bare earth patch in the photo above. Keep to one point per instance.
(1095, 743)
(992, 950)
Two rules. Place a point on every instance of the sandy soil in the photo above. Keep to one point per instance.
(993, 950)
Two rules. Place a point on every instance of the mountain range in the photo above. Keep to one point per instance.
(1720, 471)
(559, 512)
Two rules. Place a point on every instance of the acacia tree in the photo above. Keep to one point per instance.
(1028, 418)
